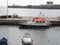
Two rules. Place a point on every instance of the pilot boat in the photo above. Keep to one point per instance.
(37, 22)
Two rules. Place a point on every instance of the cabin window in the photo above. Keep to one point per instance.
(37, 21)
(40, 21)
(43, 21)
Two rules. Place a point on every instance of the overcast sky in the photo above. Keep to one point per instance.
(27, 2)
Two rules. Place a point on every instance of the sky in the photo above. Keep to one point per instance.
(3, 3)
(26, 2)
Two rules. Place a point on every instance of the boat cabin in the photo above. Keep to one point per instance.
(39, 20)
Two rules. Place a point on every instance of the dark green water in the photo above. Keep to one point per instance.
(14, 34)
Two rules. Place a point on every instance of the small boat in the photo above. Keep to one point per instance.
(26, 40)
(3, 41)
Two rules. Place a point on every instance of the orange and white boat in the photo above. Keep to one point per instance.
(38, 22)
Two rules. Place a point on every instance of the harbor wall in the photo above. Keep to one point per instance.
(55, 21)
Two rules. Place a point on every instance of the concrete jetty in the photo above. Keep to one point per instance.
(54, 20)
(13, 20)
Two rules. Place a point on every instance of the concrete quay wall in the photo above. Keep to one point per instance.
(53, 20)
(14, 20)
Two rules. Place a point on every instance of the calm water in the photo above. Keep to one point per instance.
(40, 36)
(30, 12)
(34, 12)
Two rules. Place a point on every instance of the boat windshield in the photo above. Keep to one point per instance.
(40, 21)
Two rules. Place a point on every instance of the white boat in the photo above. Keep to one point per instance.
(26, 40)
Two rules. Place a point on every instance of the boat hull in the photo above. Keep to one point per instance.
(26, 43)
(33, 26)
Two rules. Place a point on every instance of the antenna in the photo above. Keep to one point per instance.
(43, 15)
(40, 14)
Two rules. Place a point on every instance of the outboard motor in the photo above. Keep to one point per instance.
(3, 41)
